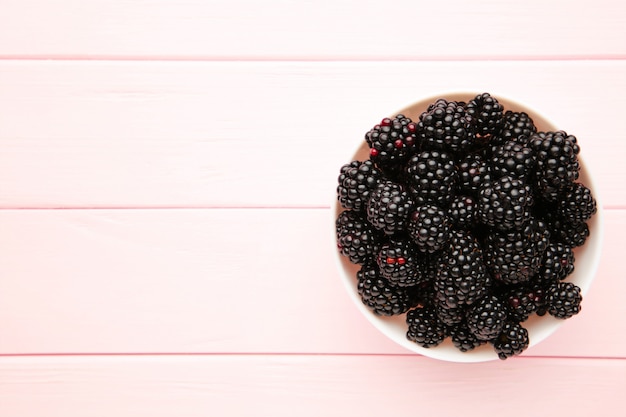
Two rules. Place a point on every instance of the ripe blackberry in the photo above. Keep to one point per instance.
(429, 228)
(505, 203)
(576, 204)
(392, 141)
(380, 296)
(400, 263)
(356, 238)
(557, 263)
(462, 276)
(563, 299)
(356, 181)
(518, 126)
(520, 301)
(514, 257)
(462, 212)
(463, 339)
(486, 317)
(389, 206)
(424, 328)
(431, 176)
(487, 116)
(512, 159)
(556, 154)
(571, 234)
(445, 126)
(512, 340)
(473, 173)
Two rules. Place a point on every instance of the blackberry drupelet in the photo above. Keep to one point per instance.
(563, 299)
(576, 204)
(462, 277)
(380, 296)
(473, 173)
(486, 317)
(512, 159)
(392, 141)
(389, 206)
(512, 340)
(445, 126)
(429, 228)
(487, 117)
(356, 180)
(557, 263)
(431, 177)
(518, 126)
(505, 203)
(462, 212)
(400, 263)
(357, 239)
(424, 328)
(557, 166)
(463, 339)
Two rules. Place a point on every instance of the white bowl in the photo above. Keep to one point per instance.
(587, 257)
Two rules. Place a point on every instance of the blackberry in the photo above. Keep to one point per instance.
(462, 212)
(520, 301)
(462, 276)
(356, 238)
(512, 340)
(392, 141)
(576, 204)
(512, 159)
(380, 296)
(388, 207)
(515, 256)
(445, 126)
(505, 203)
(449, 316)
(486, 317)
(556, 154)
(563, 299)
(473, 173)
(572, 234)
(557, 263)
(424, 328)
(400, 263)
(487, 116)
(431, 176)
(463, 339)
(429, 227)
(518, 126)
(356, 181)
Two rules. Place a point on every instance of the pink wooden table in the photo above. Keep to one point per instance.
(166, 175)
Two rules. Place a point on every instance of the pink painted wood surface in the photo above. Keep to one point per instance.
(207, 134)
(275, 386)
(331, 29)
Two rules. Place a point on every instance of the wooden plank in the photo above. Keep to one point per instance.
(221, 134)
(220, 280)
(275, 386)
(400, 29)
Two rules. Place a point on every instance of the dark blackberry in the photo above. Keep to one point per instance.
(389, 206)
(431, 177)
(557, 166)
(445, 126)
(380, 296)
(514, 257)
(356, 181)
(429, 228)
(424, 328)
(520, 301)
(486, 317)
(518, 126)
(473, 173)
(512, 340)
(576, 204)
(571, 234)
(557, 263)
(462, 212)
(512, 159)
(487, 117)
(392, 141)
(563, 299)
(463, 339)
(505, 203)
(356, 237)
(462, 276)
(400, 263)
